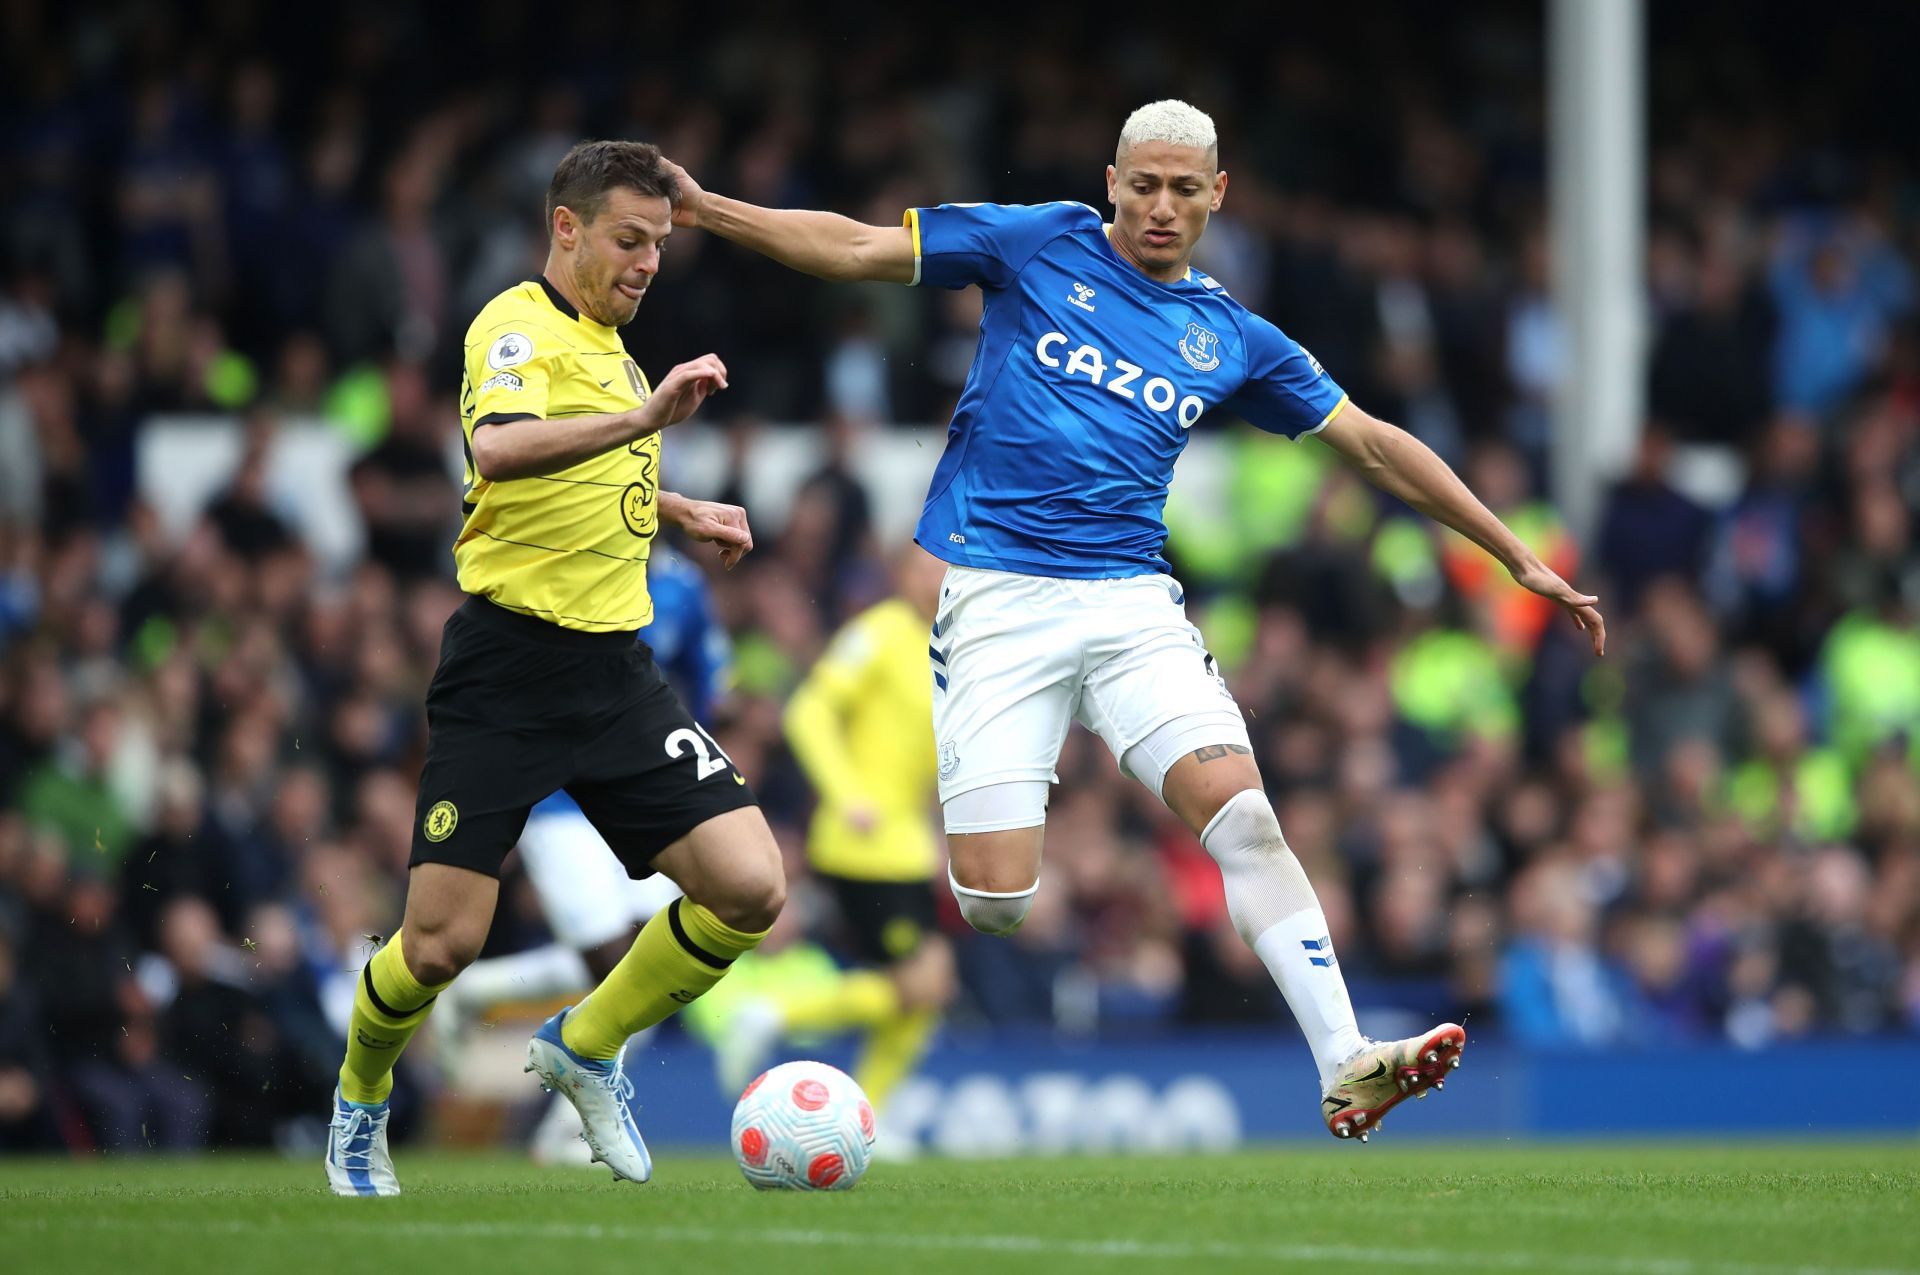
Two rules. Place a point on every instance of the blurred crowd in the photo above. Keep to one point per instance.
(208, 742)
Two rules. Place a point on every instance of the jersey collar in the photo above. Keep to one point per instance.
(560, 303)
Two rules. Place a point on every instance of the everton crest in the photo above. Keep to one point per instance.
(1200, 348)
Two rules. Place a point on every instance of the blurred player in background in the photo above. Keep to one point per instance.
(1100, 348)
(590, 904)
(542, 686)
(859, 726)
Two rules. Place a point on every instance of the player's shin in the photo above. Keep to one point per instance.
(681, 953)
(389, 1004)
(1274, 909)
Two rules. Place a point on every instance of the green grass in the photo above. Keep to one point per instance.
(1609, 1209)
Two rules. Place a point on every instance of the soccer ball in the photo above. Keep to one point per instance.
(803, 1126)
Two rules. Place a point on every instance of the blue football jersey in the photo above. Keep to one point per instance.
(1086, 382)
(689, 645)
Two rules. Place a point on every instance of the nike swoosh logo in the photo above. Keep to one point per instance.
(605, 383)
(741, 780)
(1378, 1072)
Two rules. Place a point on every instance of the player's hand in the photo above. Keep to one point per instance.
(680, 394)
(692, 195)
(724, 525)
(1583, 607)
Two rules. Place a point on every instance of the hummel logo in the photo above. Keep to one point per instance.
(1082, 294)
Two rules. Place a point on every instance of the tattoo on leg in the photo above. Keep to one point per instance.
(1214, 752)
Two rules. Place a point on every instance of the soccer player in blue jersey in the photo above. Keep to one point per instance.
(589, 902)
(1100, 347)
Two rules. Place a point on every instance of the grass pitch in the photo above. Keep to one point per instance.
(1613, 1209)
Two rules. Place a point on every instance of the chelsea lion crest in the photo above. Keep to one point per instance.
(1200, 348)
(440, 821)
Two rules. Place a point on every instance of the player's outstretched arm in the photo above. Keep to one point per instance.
(531, 446)
(710, 521)
(1401, 465)
(817, 243)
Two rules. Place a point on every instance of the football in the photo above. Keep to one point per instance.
(803, 1126)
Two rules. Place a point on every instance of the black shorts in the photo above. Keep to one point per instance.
(520, 708)
(886, 921)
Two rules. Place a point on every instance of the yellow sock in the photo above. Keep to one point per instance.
(389, 1004)
(681, 952)
(857, 999)
(892, 1051)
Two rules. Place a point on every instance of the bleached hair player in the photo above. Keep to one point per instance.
(1172, 122)
(1100, 347)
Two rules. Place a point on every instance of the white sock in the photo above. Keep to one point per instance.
(1316, 993)
(538, 974)
(1274, 909)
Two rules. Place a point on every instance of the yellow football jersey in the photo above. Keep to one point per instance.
(569, 547)
(861, 725)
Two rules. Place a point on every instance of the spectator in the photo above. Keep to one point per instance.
(389, 293)
(1556, 985)
(1709, 367)
(106, 1038)
(217, 1029)
(27, 1121)
(1648, 529)
(73, 794)
(1838, 290)
(404, 487)
(1679, 687)
(244, 514)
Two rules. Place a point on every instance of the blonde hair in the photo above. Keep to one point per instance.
(1173, 122)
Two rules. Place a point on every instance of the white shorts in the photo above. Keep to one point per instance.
(586, 896)
(1016, 658)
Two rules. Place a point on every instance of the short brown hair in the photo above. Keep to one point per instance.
(591, 169)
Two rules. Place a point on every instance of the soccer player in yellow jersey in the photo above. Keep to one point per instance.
(542, 686)
(861, 727)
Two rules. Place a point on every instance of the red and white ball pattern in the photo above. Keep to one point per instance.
(803, 1126)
